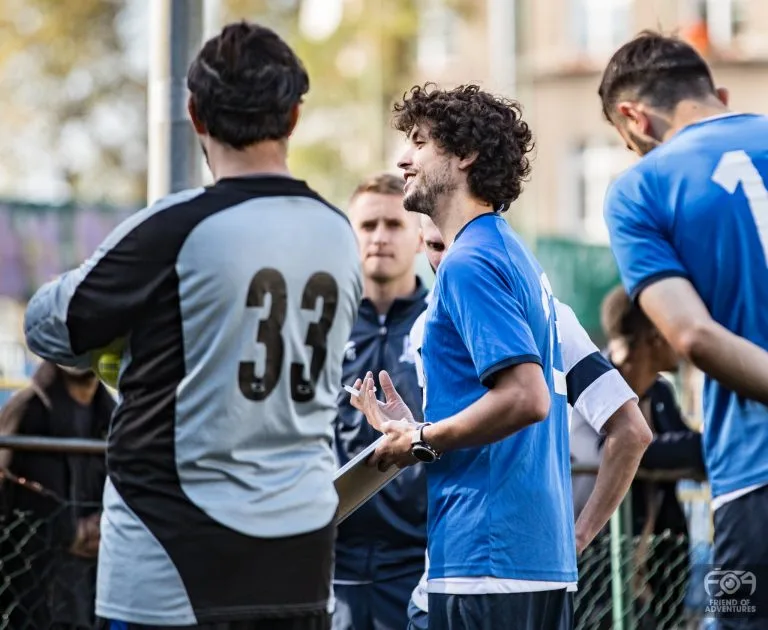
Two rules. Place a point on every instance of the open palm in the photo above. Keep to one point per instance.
(392, 409)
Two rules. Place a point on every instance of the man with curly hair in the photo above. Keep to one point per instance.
(501, 539)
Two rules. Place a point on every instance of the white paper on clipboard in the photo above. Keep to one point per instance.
(356, 482)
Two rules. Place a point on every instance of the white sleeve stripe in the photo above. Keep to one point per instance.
(602, 398)
(575, 344)
(584, 373)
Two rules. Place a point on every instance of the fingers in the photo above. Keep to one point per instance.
(380, 459)
(369, 403)
(388, 386)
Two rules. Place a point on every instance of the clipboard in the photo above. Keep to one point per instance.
(356, 482)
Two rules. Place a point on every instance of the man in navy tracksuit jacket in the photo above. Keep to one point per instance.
(380, 548)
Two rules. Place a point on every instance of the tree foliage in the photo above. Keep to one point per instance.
(74, 100)
(356, 74)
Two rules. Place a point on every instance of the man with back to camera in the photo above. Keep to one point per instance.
(597, 394)
(219, 505)
(689, 229)
(380, 548)
(496, 431)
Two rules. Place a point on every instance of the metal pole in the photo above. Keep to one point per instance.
(176, 35)
(502, 45)
(211, 18)
(622, 567)
(53, 445)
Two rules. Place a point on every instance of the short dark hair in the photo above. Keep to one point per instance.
(381, 183)
(660, 70)
(244, 84)
(621, 317)
(465, 120)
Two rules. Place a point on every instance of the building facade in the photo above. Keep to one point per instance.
(549, 54)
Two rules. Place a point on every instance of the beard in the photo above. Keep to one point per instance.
(644, 144)
(425, 198)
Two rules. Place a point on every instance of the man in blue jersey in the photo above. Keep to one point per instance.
(689, 229)
(501, 537)
(599, 397)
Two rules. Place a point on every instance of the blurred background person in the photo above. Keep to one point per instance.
(380, 548)
(640, 353)
(51, 575)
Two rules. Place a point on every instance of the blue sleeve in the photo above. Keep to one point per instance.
(639, 233)
(488, 308)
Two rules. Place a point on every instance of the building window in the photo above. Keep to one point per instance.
(597, 164)
(437, 43)
(712, 25)
(601, 26)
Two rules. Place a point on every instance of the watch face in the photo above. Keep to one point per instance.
(423, 454)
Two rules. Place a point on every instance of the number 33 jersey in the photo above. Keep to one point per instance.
(236, 302)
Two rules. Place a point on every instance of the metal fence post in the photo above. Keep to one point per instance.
(622, 566)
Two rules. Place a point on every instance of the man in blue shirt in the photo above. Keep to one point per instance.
(689, 229)
(500, 531)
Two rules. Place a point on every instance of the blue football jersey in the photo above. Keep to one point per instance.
(503, 510)
(697, 207)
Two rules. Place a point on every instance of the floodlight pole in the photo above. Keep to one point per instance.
(174, 155)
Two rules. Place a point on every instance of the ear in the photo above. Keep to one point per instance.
(628, 111)
(294, 118)
(723, 95)
(199, 126)
(468, 161)
(634, 117)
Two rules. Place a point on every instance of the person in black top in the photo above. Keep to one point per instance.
(380, 548)
(52, 532)
(639, 352)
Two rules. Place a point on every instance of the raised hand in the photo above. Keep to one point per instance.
(392, 417)
(393, 407)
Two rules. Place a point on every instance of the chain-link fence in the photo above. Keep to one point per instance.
(651, 580)
(48, 551)
(48, 564)
(653, 584)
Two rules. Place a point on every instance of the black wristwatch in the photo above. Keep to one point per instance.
(420, 449)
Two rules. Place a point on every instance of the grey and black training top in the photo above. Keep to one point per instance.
(235, 302)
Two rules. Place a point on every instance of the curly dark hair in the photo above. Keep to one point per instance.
(466, 120)
(661, 70)
(244, 84)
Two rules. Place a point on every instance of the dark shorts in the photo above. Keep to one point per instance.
(381, 605)
(544, 610)
(304, 622)
(741, 544)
